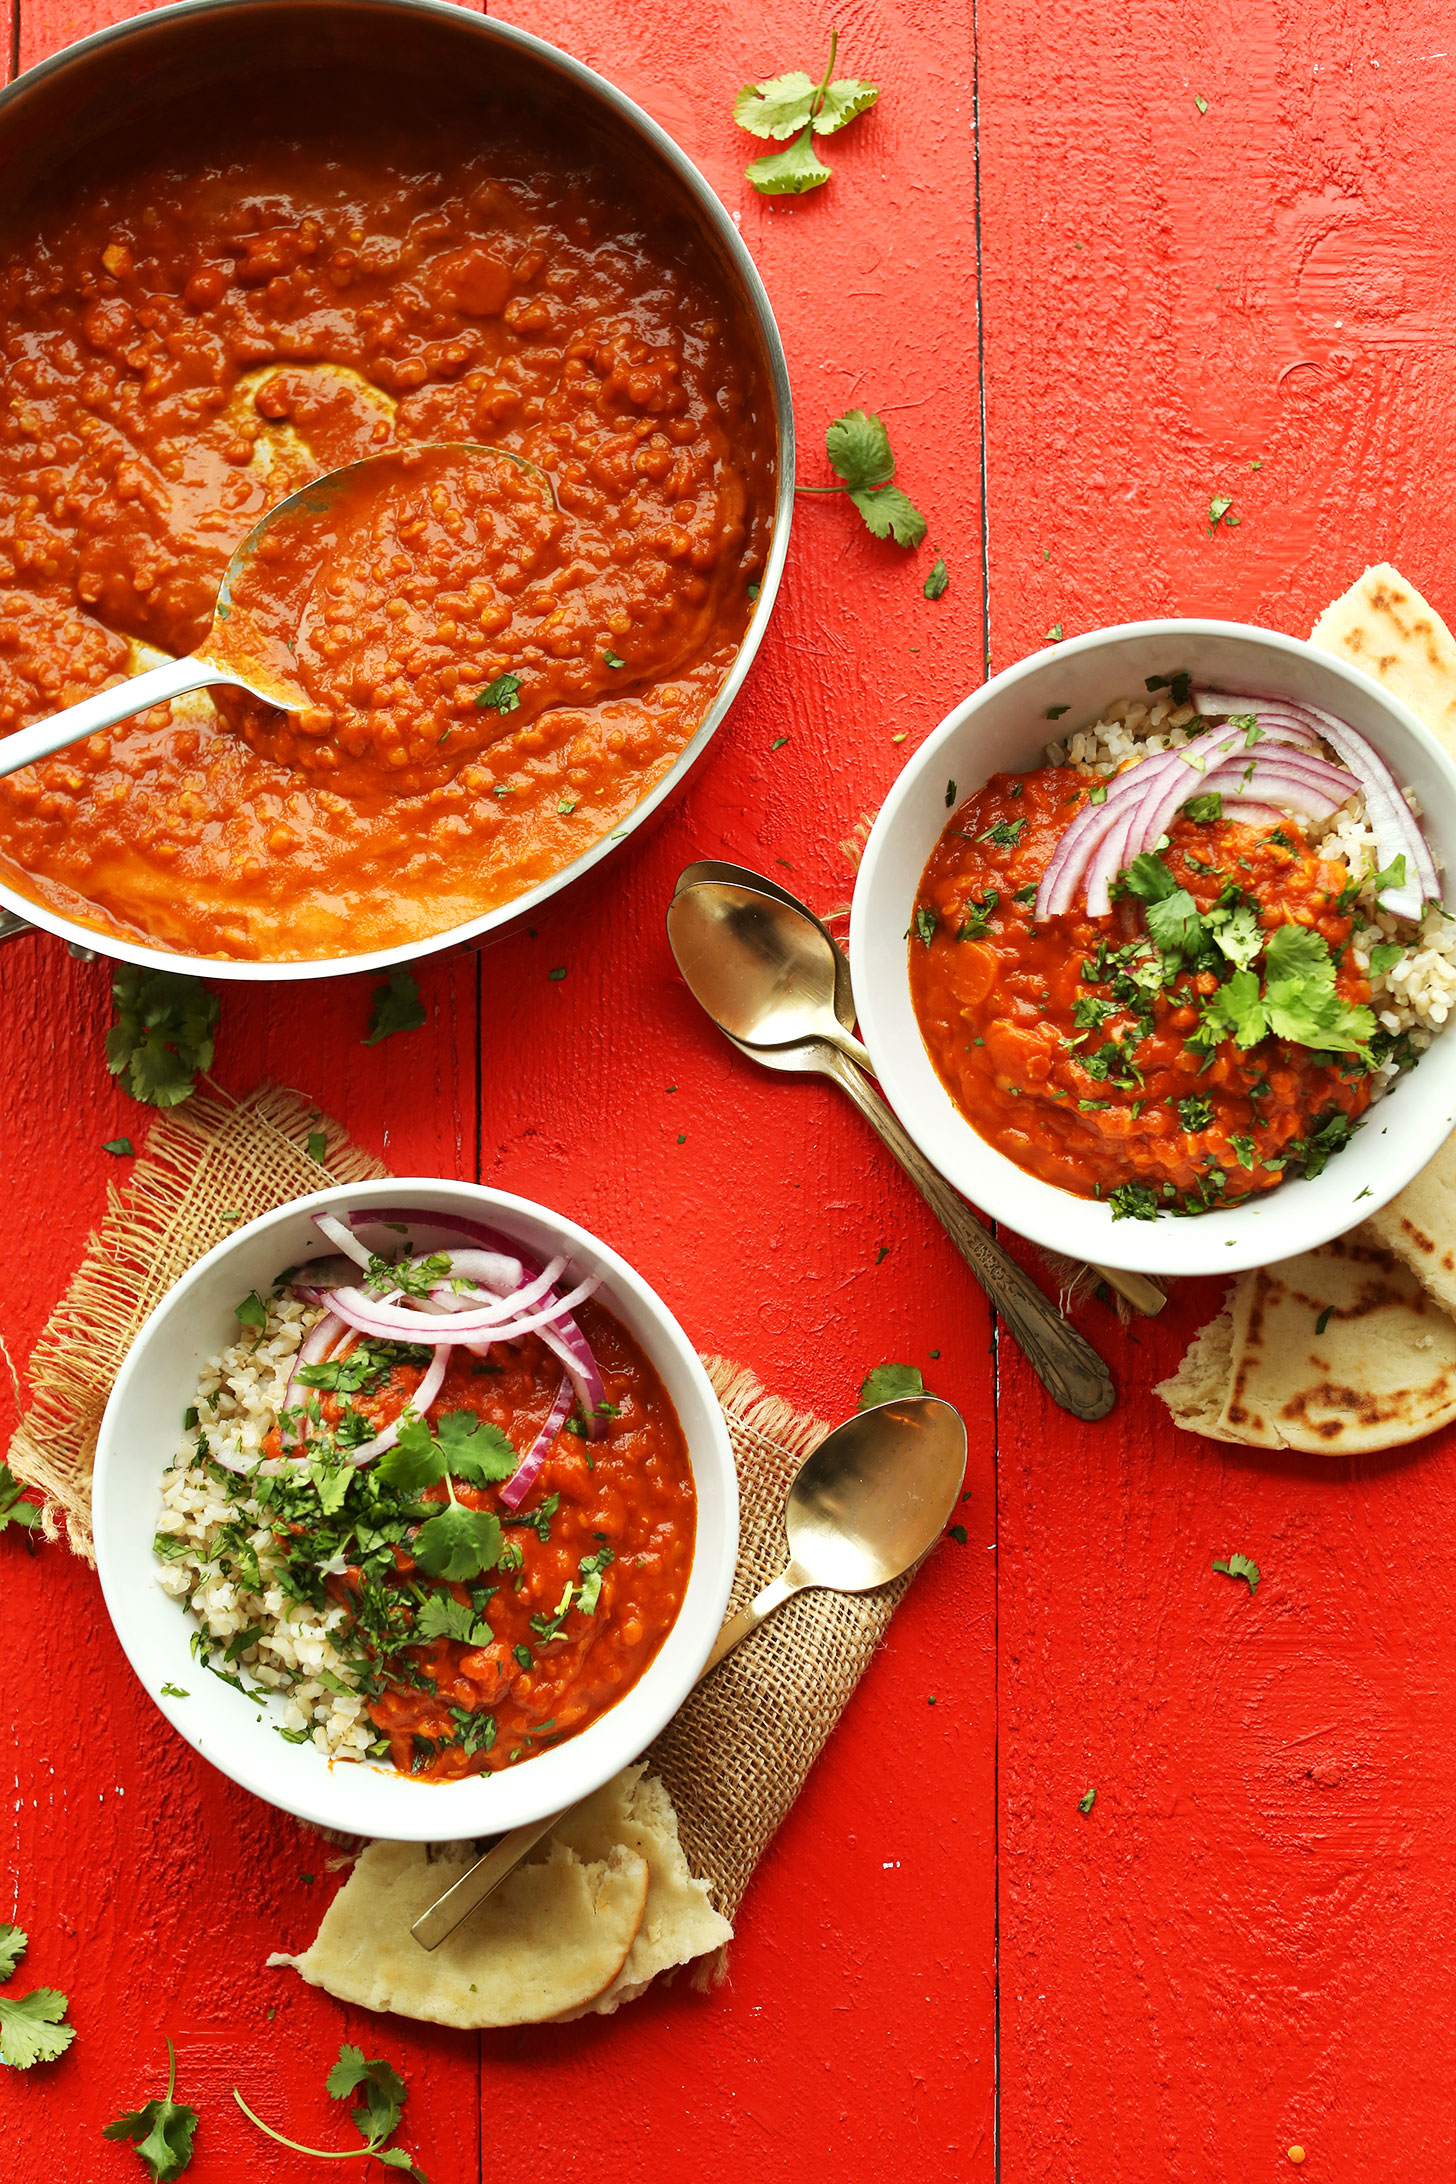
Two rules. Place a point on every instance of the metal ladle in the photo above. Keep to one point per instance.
(232, 652)
(769, 975)
(874, 1497)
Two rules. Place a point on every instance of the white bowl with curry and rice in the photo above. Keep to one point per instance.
(415, 1510)
(1148, 943)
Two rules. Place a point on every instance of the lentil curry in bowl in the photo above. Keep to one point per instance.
(329, 264)
(1152, 926)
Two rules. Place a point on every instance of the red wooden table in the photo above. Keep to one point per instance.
(1085, 305)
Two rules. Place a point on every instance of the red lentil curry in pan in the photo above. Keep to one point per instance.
(186, 343)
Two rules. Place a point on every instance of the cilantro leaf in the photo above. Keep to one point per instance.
(501, 696)
(15, 1509)
(161, 2131)
(1300, 995)
(414, 1462)
(317, 1146)
(32, 2028)
(13, 1944)
(163, 1034)
(1205, 808)
(475, 1450)
(1149, 879)
(1236, 933)
(445, 1617)
(1295, 952)
(790, 172)
(859, 450)
(1240, 1566)
(889, 1384)
(938, 581)
(890, 513)
(121, 1146)
(458, 1543)
(1236, 1011)
(382, 2089)
(397, 1007)
(252, 1312)
(1174, 923)
(844, 99)
(1385, 956)
(777, 109)
(1392, 876)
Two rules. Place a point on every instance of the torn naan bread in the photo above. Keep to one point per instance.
(603, 1907)
(1339, 1351)
(1383, 625)
(553, 1936)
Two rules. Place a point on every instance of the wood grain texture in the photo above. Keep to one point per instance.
(1241, 1947)
(859, 2016)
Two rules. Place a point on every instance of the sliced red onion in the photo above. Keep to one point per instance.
(520, 1483)
(1397, 832)
(1107, 861)
(345, 1238)
(312, 1351)
(458, 1300)
(568, 1343)
(394, 1323)
(418, 1406)
(1294, 787)
(1249, 812)
(408, 1217)
(493, 1270)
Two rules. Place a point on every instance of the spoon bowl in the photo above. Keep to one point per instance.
(876, 1494)
(264, 596)
(763, 969)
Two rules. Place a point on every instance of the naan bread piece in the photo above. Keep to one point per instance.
(1383, 625)
(1419, 1225)
(1339, 1351)
(553, 1937)
(680, 1922)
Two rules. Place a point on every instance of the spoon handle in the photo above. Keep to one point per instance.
(104, 708)
(487, 1873)
(1066, 1364)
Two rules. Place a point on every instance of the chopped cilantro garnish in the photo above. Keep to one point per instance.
(1133, 1202)
(1196, 1112)
(1205, 808)
(926, 922)
(977, 921)
(1005, 834)
(501, 696)
(397, 1007)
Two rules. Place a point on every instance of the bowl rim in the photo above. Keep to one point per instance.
(26, 914)
(1165, 1246)
(677, 1664)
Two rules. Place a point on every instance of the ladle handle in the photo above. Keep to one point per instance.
(1065, 1363)
(487, 1873)
(173, 679)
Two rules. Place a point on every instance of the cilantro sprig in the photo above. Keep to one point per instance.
(458, 1543)
(889, 1384)
(161, 2131)
(793, 105)
(858, 446)
(32, 2026)
(397, 1007)
(382, 2095)
(163, 1034)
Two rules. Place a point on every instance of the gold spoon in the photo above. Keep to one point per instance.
(1140, 1291)
(766, 977)
(872, 1499)
(247, 643)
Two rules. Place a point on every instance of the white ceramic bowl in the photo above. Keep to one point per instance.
(1004, 728)
(141, 1430)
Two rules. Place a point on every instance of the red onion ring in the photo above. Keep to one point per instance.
(520, 1483)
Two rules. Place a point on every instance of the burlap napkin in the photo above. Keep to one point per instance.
(736, 1756)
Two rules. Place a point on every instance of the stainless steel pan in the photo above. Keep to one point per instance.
(128, 79)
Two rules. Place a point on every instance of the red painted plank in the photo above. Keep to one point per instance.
(1232, 1953)
(859, 2014)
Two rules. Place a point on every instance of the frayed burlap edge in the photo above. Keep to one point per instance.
(207, 1167)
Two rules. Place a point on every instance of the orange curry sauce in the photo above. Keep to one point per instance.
(996, 1008)
(630, 1491)
(183, 344)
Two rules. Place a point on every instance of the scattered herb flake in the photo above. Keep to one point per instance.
(121, 1146)
(318, 1145)
(1240, 1566)
(889, 1384)
(501, 696)
(1087, 1800)
(397, 1007)
(938, 580)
